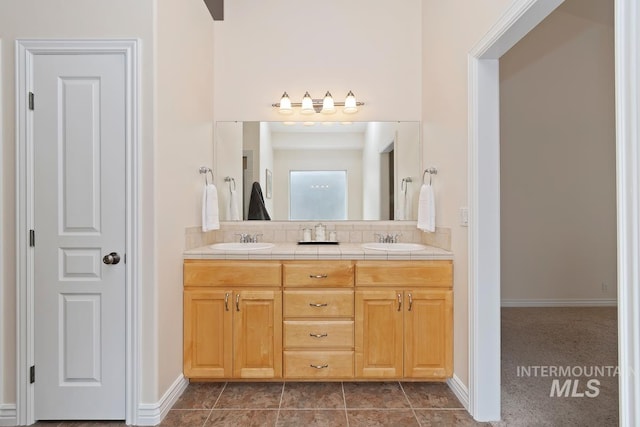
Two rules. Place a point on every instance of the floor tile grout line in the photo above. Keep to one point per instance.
(214, 404)
(251, 408)
(224, 387)
(378, 409)
(410, 404)
(440, 409)
(344, 400)
(280, 403)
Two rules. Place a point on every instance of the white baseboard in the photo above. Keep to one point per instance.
(152, 414)
(8, 415)
(460, 390)
(604, 302)
(149, 414)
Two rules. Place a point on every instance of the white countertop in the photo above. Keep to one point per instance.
(288, 251)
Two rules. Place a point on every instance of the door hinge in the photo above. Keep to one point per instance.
(31, 101)
(32, 238)
(32, 374)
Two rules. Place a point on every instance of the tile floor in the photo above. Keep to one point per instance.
(332, 404)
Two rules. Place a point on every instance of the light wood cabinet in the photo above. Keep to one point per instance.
(428, 333)
(404, 331)
(232, 332)
(379, 338)
(318, 319)
(207, 334)
(257, 334)
(329, 320)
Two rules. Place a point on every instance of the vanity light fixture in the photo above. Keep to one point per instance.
(350, 104)
(309, 105)
(285, 104)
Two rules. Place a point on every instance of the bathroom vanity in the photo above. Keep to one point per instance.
(370, 317)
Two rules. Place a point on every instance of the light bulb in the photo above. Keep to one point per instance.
(328, 106)
(307, 104)
(350, 104)
(285, 104)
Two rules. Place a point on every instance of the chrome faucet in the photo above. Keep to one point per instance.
(248, 238)
(388, 237)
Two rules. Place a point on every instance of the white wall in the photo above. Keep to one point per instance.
(184, 142)
(373, 47)
(377, 137)
(408, 165)
(229, 138)
(251, 144)
(288, 160)
(176, 78)
(558, 168)
(266, 162)
(450, 29)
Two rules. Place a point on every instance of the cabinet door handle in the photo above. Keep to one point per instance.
(318, 276)
(410, 302)
(399, 301)
(237, 302)
(226, 301)
(318, 335)
(319, 366)
(315, 304)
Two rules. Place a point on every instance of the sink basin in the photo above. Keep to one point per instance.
(400, 247)
(236, 246)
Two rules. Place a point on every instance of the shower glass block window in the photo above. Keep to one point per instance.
(318, 195)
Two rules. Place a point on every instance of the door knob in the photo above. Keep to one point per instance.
(111, 259)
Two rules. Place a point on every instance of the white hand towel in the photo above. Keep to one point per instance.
(234, 212)
(210, 214)
(427, 209)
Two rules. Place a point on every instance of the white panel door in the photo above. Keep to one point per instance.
(79, 217)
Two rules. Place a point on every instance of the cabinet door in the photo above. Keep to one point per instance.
(207, 334)
(428, 334)
(378, 334)
(257, 332)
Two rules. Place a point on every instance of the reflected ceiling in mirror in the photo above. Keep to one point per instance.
(324, 171)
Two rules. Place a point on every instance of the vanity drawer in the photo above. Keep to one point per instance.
(316, 274)
(437, 274)
(318, 334)
(318, 364)
(329, 303)
(232, 273)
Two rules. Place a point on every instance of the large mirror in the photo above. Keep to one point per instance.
(319, 171)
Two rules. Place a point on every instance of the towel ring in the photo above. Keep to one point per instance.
(230, 180)
(404, 184)
(431, 171)
(204, 170)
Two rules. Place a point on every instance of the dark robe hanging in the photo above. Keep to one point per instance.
(257, 209)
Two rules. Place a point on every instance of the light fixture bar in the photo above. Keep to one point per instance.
(317, 104)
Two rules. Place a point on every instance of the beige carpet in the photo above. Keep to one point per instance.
(583, 340)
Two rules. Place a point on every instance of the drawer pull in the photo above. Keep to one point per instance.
(315, 304)
(319, 366)
(319, 335)
(318, 276)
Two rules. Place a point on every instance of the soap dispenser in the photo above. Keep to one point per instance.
(320, 232)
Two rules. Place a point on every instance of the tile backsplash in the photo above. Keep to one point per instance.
(287, 231)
